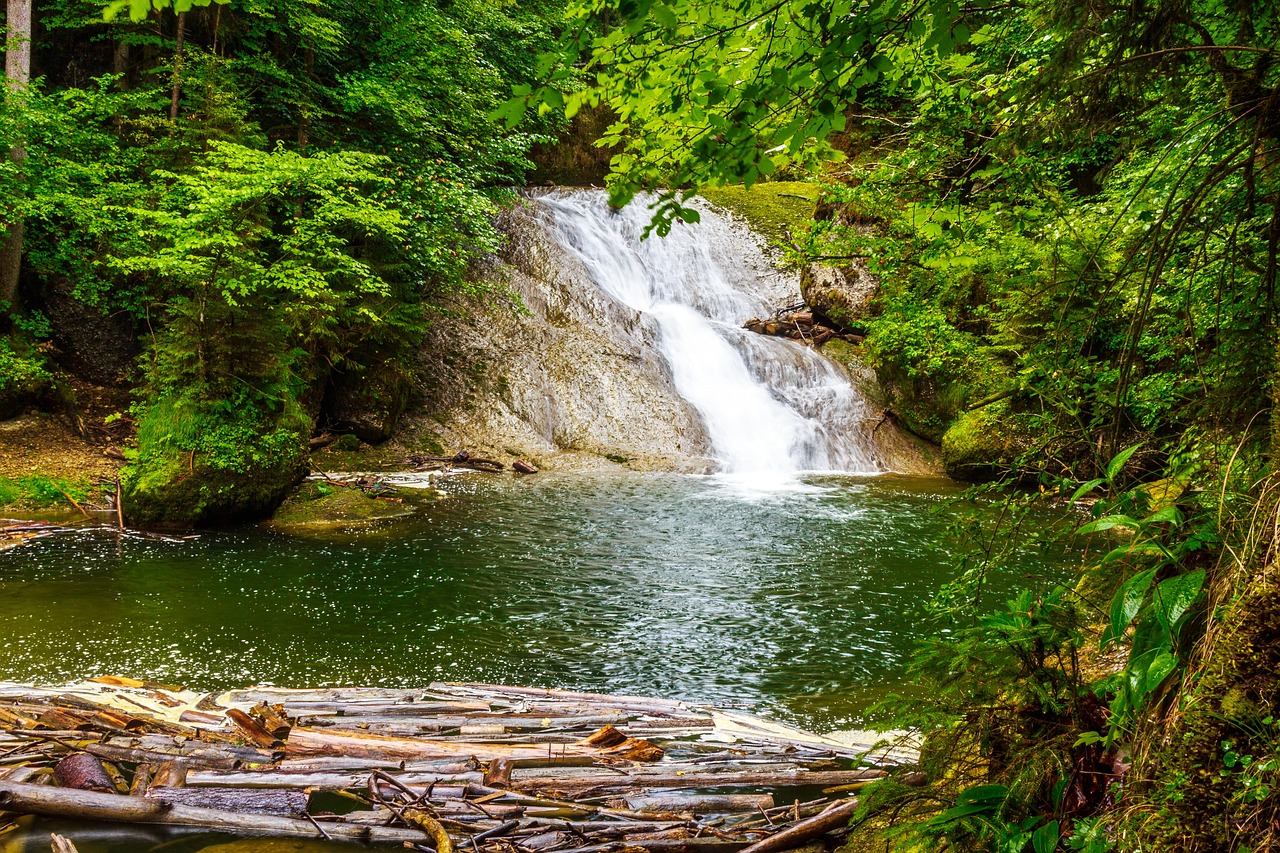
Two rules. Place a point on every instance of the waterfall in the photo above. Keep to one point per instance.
(770, 405)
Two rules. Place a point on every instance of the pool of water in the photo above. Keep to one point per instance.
(797, 599)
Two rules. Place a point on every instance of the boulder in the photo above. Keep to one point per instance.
(983, 444)
(841, 294)
(233, 466)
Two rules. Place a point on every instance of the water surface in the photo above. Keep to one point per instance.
(795, 599)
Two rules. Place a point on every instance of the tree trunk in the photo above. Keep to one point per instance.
(17, 72)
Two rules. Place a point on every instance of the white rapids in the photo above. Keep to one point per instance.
(770, 406)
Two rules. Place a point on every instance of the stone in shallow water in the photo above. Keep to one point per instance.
(317, 507)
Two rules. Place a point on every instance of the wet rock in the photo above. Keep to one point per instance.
(318, 506)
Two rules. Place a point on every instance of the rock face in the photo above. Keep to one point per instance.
(569, 373)
(90, 344)
(983, 444)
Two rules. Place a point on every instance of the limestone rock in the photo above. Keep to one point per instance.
(840, 294)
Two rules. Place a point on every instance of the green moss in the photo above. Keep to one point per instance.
(223, 462)
(322, 506)
(774, 210)
(347, 442)
(984, 443)
(40, 492)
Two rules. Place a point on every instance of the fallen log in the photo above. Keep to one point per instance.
(317, 781)
(115, 808)
(796, 834)
(287, 803)
(676, 845)
(311, 742)
(605, 699)
(772, 779)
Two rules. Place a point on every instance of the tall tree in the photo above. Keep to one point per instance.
(17, 73)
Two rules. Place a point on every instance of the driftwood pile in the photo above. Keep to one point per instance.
(798, 323)
(453, 767)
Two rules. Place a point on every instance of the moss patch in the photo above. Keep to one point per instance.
(774, 210)
(984, 443)
(319, 506)
(199, 466)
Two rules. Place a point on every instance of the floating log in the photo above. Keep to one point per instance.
(171, 774)
(520, 466)
(115, 808)
(774, 779)
(253, 729)
(318, 781)
(693, 804)
(498, 773)
(307, 741)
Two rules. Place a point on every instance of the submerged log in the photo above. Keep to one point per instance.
(91, 805)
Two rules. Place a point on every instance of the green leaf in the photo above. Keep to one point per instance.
(1126, 604)
(1107, 522)
(1085, 488)
(1045, 839)
(1116, 465)
(1174, 597)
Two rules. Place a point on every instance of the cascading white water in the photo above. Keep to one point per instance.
(769, 405)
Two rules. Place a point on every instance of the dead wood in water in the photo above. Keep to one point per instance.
(480, 768)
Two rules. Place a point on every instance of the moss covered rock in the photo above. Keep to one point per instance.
(841, 294)
(228, 463)
(776, 210)
(319, 506)
(984, 443)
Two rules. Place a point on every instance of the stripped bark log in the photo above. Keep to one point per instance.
(317, 781)
(695, 804)
(775, 779)
(310, 742)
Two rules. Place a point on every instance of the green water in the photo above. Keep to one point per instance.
(795, 600)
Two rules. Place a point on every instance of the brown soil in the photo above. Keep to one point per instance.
(69, 444)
